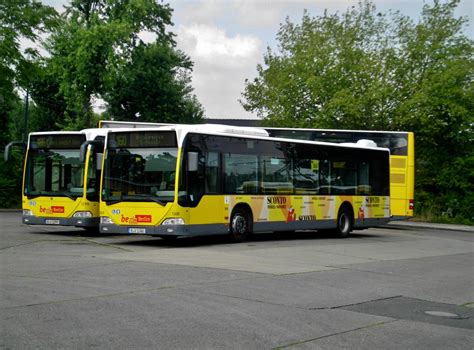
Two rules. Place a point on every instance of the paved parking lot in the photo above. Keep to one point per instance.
(390, 288)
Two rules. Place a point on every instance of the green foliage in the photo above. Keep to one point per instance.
(47, 112)
(97, 52)
(10, 180)
(147, 88)
(19, 19)
(366, 70)
(94, 51)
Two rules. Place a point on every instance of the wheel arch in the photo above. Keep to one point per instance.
(247, 209)
(347, 205)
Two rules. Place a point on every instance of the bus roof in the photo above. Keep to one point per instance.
(109, 124)
(339, 130)
(249, 132)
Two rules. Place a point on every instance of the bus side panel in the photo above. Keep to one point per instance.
(210, 210)
(310, 212)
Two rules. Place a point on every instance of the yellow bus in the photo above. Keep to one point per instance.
(402, 159)
(58, 188)
(189, 180)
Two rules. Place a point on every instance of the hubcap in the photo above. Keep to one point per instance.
(239, 224)
(343, 223)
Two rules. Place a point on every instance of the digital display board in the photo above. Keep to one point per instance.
(142, 139)
(69, 141)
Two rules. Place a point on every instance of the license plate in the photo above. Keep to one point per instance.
(137, 230)
(52, 222)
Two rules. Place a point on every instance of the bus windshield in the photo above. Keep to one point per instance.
(54, 172)
(140, 166)
(140, 174)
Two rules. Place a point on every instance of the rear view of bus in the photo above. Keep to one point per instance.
(59, 188)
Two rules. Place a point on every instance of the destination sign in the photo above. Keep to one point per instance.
(142, 139)
(69, 141)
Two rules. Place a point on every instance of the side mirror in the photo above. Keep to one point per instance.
(193, 161)
(7, 154)
(83, 149)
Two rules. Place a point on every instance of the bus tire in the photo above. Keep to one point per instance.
(240, 225)
(344, 222)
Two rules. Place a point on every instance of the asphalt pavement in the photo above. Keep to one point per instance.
(401, 286)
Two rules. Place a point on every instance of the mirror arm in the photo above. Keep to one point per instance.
(7, 154)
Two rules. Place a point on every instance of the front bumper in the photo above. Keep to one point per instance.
(52, 221)
(166, 230)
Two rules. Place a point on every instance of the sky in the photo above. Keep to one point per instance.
(226, 39)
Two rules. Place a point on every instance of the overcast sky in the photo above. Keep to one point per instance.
(226, 39)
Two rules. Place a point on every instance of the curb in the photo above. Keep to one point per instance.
(429, 225)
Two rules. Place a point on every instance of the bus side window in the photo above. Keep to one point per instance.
(363, 186)
(325, 176)
(306, 176)
(212, 183)
(240, 173)
(344, 177)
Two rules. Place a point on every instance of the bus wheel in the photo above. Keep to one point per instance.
(239, 225)
(344, 222)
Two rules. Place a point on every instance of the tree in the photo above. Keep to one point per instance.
(366, 70)
(19, 19)
(154, 86)
(97, 41)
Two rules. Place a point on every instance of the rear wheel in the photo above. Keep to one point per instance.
(240, 225)
(344, 222)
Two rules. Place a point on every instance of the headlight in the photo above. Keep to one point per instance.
(173, 221)
(82, 214)
(27, 212)
(106, 220)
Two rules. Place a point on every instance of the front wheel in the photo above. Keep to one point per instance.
(239, 225)
(344, 222)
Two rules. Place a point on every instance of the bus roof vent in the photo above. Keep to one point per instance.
(361, 143)
(236, 130)
(366, 143)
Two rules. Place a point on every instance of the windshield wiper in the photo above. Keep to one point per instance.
(134, 199)
(145, 198)
(68, 195)
(33, 196)
(55, 194)
(156, 200)
(114, 201)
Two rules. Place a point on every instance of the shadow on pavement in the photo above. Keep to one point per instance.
(182, 242)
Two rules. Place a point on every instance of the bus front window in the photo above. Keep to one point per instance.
(54, 173)
(140, 174)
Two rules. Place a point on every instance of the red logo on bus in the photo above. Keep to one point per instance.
(56, 209)
(143, 218)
